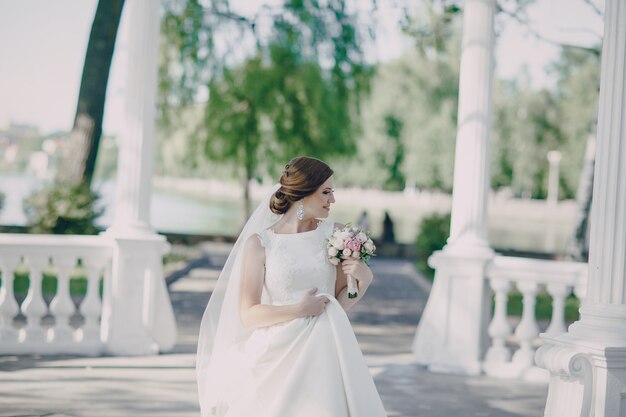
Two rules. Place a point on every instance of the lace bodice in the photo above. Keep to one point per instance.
(295, 263)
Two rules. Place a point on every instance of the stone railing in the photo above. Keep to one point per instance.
(511, 353)
(85, 322)
(57, 255)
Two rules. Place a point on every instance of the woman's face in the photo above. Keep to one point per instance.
(318, 204)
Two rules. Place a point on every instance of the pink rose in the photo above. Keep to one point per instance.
(354, 245)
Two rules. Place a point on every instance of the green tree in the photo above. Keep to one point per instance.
(420, 90)
(526, 127)
(392, 159)
(578, 87)
(578, 84)
(66, 206)
(63, 209)
(295, 92)
(432, 236)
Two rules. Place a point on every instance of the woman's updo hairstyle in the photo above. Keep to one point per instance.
(302, 176)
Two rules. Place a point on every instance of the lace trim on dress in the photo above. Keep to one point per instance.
(317, 227)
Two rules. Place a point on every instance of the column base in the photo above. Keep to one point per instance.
(469, 247)
(606, 322)
(587, 377)
(137, 314)
(452, 334)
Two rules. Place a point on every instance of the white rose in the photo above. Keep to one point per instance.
(356, 255)
(362, 237)
(334, 261)
(347, 252)
(338, 243)
(332, 251)
(344, 235)
(369, 246)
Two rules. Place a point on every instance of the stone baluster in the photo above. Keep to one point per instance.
(91, 307)
(8, 305)
(558, 292)
(527, 330)
(34, 306)
(62, 306)
(499, 329)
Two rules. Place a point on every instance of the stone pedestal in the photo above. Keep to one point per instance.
(137, 316)
(600, 335)
(452, 333)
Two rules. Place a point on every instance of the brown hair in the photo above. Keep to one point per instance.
(302, 176)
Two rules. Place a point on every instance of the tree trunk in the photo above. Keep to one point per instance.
(578, 245)
(80, 154)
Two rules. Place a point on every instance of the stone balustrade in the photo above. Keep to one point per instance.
(511, 351)
(23, 328)
(123, 307)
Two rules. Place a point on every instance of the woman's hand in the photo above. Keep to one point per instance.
(359, 270)
(311, 304)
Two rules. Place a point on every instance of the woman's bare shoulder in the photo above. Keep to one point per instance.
(254, 245)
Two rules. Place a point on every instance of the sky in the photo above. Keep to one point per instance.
(43, 43)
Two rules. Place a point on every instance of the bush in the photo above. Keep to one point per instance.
(77, 284)
(432, 235)
(63, 209)
(543, 306)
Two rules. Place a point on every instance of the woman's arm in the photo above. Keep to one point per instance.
(360, 271)
(251, 311)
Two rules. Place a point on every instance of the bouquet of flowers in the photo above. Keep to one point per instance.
(350, 243)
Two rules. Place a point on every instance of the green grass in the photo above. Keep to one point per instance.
(174, 257)
(78, 278)
(543, 306)
(78, 282)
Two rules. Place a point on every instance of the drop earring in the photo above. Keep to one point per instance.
(300, 211)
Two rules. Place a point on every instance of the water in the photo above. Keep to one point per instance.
(204, 207)
(169, 211)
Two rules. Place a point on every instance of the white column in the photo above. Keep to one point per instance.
(452, 334)
(468, 229)
(136, 145)
(603, 313)
(126, 328)
(600, 334)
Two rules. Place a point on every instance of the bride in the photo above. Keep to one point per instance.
(275, 340)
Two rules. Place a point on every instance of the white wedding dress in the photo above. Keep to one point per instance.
(306, 367)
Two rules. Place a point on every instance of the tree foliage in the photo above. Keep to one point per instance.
(432, 236)
(281, 100)
(529, 123)
(420, 91)
(291, 86)
(63, 208)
